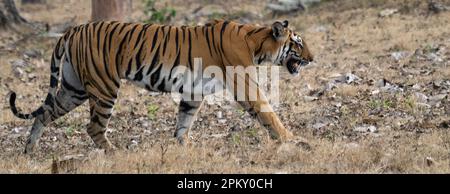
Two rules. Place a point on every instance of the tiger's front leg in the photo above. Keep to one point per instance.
(248, 94)
(187, 114)
(263, 111)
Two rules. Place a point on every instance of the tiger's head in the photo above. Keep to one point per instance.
(287, 48)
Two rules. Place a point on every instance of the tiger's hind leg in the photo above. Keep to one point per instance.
(101, 111)
(186, 116)
(70, 95)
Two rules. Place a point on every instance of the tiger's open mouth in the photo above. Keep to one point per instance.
(294, 64)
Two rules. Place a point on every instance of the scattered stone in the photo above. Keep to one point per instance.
(375, 92)
(220, 135)
(364, 129)
(219, 114)
(420, 97)
(387, 12)
(222, 121)
(319, 125)
(32, 54)
(416, 87)
(385, 85)
(350, 78)
(400, 55)
(436, 7)
(310, 98)
(430, 161)
(19, 130)
(436, 100)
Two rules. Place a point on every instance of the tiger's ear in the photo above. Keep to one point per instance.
(279, 29)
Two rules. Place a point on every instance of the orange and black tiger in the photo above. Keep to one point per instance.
(91, 60)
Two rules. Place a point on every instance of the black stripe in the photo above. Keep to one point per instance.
(260, 46)
(49, 100)
(189, 49)
(222, 31)
(98, 36)
(251, 32)
(155, 60)
(53, 81)
(119, 52)
(105, 104)
(139, 76)
(96, 120)
(155, 38)
(214, 40)
(105, 116)
(113, 30)
(185, 107)
(207, 40)
(176, 40)
(196, 33)
(139, 53)
(259, 30)
(155, 76)
(183, 28)
(72, 89)
(111, 36)
(61, 106)
(239, 28)
(175, 64)
(166, 40)
(53, 67)
(38, 112)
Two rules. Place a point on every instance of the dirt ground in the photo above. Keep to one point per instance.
(376, 100)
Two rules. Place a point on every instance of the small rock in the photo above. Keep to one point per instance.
(436, 7)
(219, 114)
(310, 98)
(384, 85)
(434, 57)
(371, 129)
(437, 98)
(430, 161)
(350, 78)
(416, 87)
(421, 98)
(32, 53)
(381, 83)
(387, 12)
(222, 121)
(19, 130)
(319, 125)
(375, 92)
(220, 135)
(400, 55)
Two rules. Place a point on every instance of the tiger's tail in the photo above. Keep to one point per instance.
(57, 56)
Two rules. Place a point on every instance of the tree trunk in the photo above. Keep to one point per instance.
(32, 1)
(10, 18)
(111, 9)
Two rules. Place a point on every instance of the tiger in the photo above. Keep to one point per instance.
(90, 61)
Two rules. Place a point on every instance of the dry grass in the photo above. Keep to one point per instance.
(410, 138)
